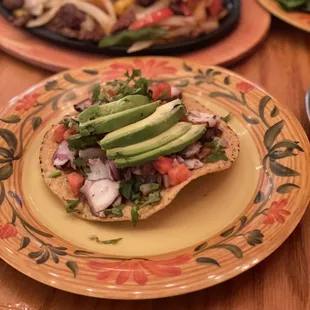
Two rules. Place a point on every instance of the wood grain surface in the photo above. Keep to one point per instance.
(281, 66)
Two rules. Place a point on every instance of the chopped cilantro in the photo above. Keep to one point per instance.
(226, 118)
(111, 241)
(71, 205)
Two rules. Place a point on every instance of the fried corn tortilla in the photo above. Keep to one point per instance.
(59, 186)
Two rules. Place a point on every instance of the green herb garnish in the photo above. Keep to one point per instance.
(71, 205)
(96, 92)
(226, 118)
(217, 152)
(214, 157)
(115, 211)
(55, 174)
(135, 216)
(111, 241)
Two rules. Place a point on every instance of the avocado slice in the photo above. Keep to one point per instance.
(118, 120)
(165, 117)
(126, 103)
(167, 136)
(175, 146)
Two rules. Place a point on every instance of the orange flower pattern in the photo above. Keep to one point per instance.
(8, 231)
(149, 69)
(244, 87)
(138, 269)
(276, 212)
(27, 102)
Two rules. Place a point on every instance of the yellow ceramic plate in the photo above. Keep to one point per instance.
(300, 20)
(219, 225)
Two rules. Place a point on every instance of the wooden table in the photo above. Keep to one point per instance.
(282, 66)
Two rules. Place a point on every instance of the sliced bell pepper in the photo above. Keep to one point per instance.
(152, 18)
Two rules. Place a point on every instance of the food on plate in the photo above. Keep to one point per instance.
(129, 150)
(295, 5)
(137, 24)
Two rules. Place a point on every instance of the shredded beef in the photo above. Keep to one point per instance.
(146, 3)
(68, 16)
(12, 4)
(125, 20)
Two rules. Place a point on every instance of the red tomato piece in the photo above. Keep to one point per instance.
(179, 174)
(59, 132)
(70, 132)
(161, 91)
(163, 164)
(152, 18)
(75, 181)
(216, 7)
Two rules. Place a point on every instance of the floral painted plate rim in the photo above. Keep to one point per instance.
(300, 20)
(279, 203)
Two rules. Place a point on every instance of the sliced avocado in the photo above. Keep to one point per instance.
(126, 103)
(78, 142)
(167, 136)
(118, 120)
(165, 117)
(175, 146)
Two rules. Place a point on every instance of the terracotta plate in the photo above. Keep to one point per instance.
(227, 25)
(217, 227)
(47, 55)
(300, 20)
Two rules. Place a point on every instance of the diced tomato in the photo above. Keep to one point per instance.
(179, 174)
(216, 7)
(75, 181)
(59, 132)
(152, 18)
(163, 164)
(70, 132)
(161, 91)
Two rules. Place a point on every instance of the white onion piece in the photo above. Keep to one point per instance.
(100, 195)
(45, 18)
(88, 24)
(139, 46)
(108, 5)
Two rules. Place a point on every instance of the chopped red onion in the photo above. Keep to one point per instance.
(166, 181)
(117, 201)
(113, 171)
(180, 159)
(175, 163)
(197, 117)
(193, 163)
(222, 142)
(191, 150)
(63, 154)
(100, 195)
(98, 170)
(204, 152)
(93, 152)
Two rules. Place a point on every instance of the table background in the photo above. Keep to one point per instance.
(281, 65)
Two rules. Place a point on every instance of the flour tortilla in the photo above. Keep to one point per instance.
(59, 186)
